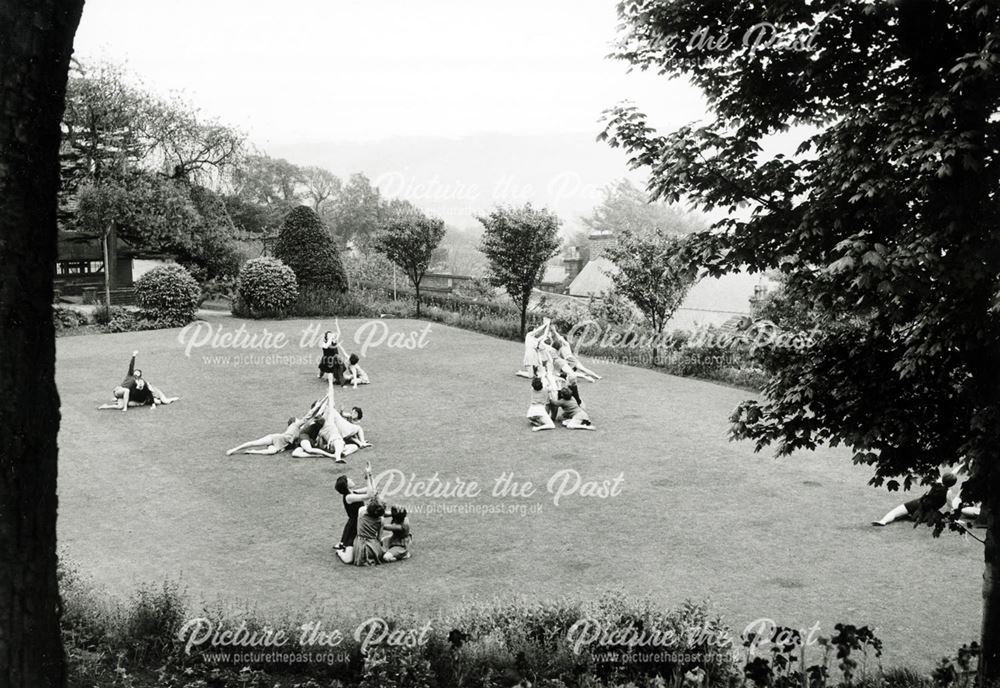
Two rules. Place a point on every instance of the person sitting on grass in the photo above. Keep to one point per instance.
(355, 375)
(932, 500)
(126, 394)
(397, 545)
(542, 397)
(368, 543)
(354, 499)
(573, 415)
(138, 393)
(532, 354)
(566, 354)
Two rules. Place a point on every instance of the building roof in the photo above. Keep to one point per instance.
(86, 246)
(592, 280)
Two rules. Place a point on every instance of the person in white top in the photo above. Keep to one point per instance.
(532, 355)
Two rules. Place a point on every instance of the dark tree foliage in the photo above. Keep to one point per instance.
(884, 221)
(307, 248)
(518, 242)
(409, 241)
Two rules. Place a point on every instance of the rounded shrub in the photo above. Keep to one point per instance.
(266, 287)
(307, 248)
(168, 294)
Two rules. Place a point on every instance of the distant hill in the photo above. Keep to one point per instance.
(458, 178)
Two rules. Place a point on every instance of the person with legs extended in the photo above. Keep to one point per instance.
(126, 394)
(932, 500)
(277, 441)
(566, 353)
(573, 416)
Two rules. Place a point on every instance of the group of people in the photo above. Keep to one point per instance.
(321, 431)
(371, 536)
(134, 390)
(336, 365)
(555, 371)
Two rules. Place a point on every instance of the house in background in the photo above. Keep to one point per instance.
(712, 301)
(80, 267)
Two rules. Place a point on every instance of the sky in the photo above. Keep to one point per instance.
(350, 71)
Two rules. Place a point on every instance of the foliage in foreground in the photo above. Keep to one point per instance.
(615, 640)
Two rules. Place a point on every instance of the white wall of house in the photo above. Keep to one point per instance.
(141, 267)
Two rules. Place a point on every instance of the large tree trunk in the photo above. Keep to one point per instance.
(989, 668)
(36, 40)
(416, 286)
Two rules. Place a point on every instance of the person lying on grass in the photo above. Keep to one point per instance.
(932, 500)
(354, 375)
(339, 434)
(278, 441)
(134, 390)
(532, 349)
(354, 499)
(566, 354)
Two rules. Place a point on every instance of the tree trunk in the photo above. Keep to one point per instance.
(524, 316)
(107, 270)
(989, 666)
(416, 286)
(36, 40)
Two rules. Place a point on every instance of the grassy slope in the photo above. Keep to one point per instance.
(149, 494)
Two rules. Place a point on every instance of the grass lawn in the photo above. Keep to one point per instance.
(150, 494)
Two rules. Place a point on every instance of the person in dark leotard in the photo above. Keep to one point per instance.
(332, 362)
(932, 500)
(134, 390)
(354, 500)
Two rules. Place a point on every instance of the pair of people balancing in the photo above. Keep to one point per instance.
(552, 396)
(544, 343)
(134, 390)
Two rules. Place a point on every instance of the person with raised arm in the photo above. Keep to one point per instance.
(354, 499)
(134, 390)
(277, 441)
(542, 396)
(532, 355)
(368, 549)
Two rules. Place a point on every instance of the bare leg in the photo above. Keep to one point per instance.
(264, 441)
(347, 554)
(580, 370)
(893, 515)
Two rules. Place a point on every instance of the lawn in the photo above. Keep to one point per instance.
(150, 494)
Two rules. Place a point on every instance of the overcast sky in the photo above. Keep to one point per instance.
(347, 70)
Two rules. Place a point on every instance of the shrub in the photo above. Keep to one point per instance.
(68, 318)
(265, 288)
(168, 294)
(307, 248)
(102, 316)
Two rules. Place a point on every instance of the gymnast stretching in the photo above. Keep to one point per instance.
(134, 390)
(277, 441)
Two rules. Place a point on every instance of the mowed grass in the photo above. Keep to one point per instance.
(150, 494)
